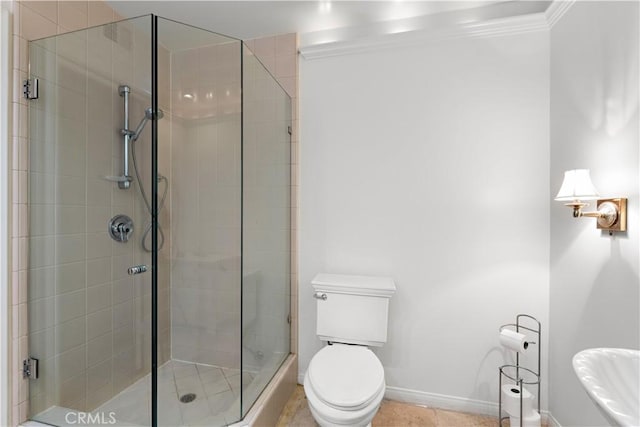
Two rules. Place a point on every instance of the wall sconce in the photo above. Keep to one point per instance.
(611, 214)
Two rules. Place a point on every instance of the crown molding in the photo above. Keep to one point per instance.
(366, 43)
(556, 10)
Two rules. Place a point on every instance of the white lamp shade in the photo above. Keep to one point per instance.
(577, 185)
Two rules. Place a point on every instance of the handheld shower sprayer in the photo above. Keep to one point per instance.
(148, 115)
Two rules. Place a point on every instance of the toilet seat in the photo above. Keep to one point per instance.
(328, 416)
(346, 377)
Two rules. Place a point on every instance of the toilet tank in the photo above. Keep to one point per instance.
(352, 309)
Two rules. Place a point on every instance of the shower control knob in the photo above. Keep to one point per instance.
(121, 228)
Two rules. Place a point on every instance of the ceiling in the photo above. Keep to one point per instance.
(252, 19)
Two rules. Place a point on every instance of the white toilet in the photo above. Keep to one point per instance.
(345, 383)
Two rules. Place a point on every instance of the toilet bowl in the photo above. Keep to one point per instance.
(344, 385)
(345, 380)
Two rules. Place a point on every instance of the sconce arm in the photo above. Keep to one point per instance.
(593, 214)
(610, 212)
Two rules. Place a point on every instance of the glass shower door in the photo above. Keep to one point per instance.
(89, 320)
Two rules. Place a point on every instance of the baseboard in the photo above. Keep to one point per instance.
(441, 401)
(452, 403)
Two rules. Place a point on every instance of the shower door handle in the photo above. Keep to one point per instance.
(136, 269)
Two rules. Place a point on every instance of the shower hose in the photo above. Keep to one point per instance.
(148, 225)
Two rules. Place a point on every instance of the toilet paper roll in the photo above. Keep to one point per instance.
(511, 400)
(532, 420)
(513, 340)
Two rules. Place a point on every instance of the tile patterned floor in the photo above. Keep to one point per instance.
(216, 404)
(391, 414)
(217, 391)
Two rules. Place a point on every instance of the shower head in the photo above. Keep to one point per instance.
(148, 115)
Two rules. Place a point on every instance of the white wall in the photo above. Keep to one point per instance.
(594, 296)
(430, 164)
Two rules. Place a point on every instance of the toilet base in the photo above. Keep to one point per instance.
(324, 423)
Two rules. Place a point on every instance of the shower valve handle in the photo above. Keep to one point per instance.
(120, 228)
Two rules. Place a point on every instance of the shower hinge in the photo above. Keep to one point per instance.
(288, 318)
(30, 368)
(30, 88)
(289, 130)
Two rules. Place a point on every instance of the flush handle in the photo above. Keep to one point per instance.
(319, 295)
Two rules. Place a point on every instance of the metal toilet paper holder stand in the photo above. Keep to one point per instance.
(517, 373)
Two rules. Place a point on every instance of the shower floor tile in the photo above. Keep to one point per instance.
(216, 403)
(216, 390)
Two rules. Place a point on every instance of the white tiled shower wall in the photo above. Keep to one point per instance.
(33, 20)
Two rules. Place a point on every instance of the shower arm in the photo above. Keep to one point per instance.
(125, 182)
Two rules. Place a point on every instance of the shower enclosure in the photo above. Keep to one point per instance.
(159, 239)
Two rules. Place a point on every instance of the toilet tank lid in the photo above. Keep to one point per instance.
(361, 285)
